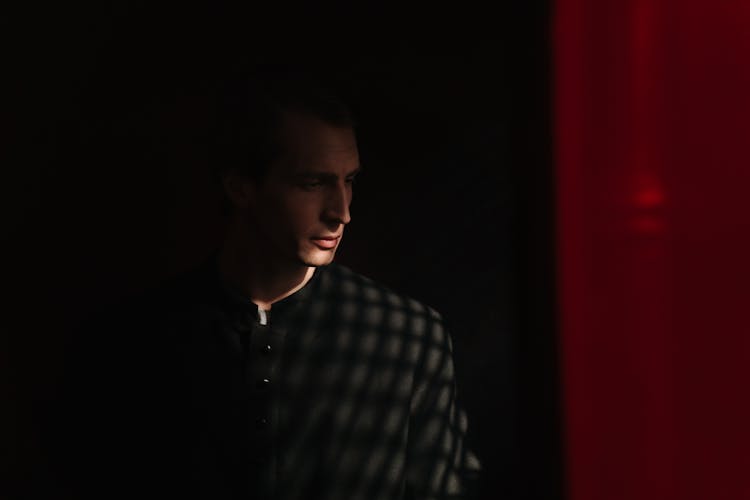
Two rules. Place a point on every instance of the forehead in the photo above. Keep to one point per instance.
(310, 143)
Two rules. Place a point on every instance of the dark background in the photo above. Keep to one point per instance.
(107, 189)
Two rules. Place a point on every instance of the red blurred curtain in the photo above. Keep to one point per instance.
(652, 120)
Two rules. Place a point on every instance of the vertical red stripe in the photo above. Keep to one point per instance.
(653, 164)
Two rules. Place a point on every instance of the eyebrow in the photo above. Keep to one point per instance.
(326, 175)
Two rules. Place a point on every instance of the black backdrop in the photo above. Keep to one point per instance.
(107, 189)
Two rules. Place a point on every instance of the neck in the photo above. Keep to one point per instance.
(258, 275)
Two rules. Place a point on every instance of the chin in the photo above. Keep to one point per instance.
(318, 258)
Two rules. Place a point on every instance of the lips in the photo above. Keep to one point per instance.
(327, 242)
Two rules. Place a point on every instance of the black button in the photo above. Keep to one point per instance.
(261, 422)
(266, 349)
(263, 383)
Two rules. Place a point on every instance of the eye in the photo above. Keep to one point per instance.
(311, 185)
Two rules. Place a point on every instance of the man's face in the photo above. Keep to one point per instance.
(302, 205)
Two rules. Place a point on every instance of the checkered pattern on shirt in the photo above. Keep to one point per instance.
(363, 404)
(368, 397)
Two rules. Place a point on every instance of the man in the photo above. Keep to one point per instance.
(269, 371)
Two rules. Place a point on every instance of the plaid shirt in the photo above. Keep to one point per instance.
(344, 390)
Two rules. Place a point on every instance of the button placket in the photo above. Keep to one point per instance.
(261, 378)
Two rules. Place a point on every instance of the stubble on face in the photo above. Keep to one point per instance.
(307, 192)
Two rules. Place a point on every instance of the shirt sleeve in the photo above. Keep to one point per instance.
(439, 464)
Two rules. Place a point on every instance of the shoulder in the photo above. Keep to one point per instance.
(194, 284)
(349, 284)
(186, 292)
(154, 315)
(378, 304)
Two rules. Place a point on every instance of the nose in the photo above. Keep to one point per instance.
(337, 205)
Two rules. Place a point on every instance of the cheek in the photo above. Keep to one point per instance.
(305, 218)
(300, 214)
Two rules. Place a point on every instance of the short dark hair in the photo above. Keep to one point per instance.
(251, 112)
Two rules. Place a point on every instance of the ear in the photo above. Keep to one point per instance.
(240, 189)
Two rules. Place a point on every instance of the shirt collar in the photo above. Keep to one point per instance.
(236, 297)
